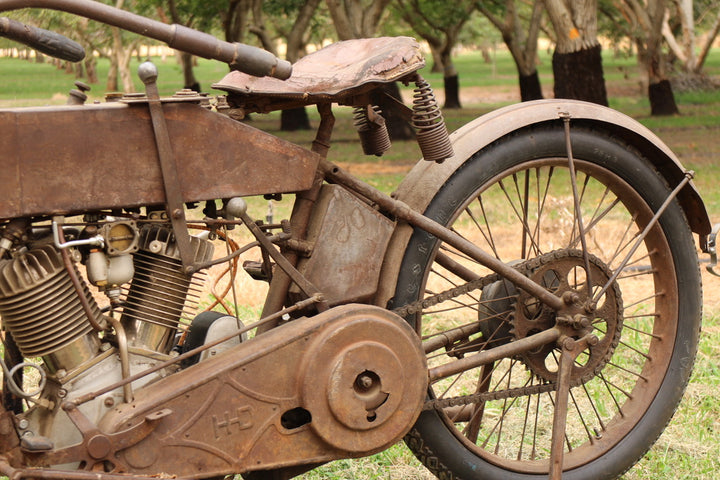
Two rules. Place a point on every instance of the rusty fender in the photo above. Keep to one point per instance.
(425, 179)
(345, 383)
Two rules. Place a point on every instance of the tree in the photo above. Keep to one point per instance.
(646, 19)
(234, 16)
(520, 39)
(577, 61)
(356, 18)
(295, 35)
(360, 19)
(439, 23)
(182, 13)
(679, 31)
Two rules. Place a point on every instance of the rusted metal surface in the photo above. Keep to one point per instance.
(335, 72)
(349, 240)
(8, 436)
(255, 395)
(168, 166)
(78, 158)
(302, 210)
(351, 380)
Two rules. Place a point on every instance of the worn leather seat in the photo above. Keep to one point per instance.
(334, 73)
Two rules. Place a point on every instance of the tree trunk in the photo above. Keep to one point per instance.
(297, 119)
(91, 69)
(398, 127)
(189, 80)
(530, 88)
(662, 100)
(125, 73)
(437, 65)
(294, 119)
(521, 44)
(112, 84)
(452, 91)
(579, 75)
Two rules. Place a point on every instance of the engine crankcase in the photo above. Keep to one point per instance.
(345, 383)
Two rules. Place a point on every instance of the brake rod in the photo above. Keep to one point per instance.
(485, 357)
(653, 221)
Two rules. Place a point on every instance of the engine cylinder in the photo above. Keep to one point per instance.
(40, 308)
(160, 294)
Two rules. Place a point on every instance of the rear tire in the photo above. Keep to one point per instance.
(514, 199)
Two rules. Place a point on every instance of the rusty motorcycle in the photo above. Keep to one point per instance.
(525, 305)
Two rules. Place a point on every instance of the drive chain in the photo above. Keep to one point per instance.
(526, 268)
(489, 396)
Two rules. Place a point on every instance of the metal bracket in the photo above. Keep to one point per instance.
(98, 446)
(171, 181)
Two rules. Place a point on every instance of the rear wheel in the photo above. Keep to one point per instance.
(515, 200)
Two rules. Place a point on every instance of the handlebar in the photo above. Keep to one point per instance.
(251, 60)
(45, 41)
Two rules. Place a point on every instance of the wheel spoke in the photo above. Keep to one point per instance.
(494, 376)
(520, 215)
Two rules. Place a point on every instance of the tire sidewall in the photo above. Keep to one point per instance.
(436, 439)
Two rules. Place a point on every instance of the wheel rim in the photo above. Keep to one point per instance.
(521, 215)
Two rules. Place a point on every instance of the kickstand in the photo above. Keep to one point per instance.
(570, 349)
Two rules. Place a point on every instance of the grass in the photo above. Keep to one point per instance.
(690, 446)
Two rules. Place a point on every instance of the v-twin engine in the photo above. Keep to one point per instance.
(83, 348)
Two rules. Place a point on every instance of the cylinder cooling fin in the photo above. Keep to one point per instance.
(39, 304)
(160, 294)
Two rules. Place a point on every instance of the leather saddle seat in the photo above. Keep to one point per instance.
(336, 74)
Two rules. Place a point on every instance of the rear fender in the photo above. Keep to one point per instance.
(425, 179)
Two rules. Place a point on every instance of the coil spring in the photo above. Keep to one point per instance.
(374, 136)
(432, 135)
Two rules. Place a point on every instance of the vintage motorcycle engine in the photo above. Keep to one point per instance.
(42, 311)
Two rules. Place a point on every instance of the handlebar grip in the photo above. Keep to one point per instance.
(45, 41)
(245, 58)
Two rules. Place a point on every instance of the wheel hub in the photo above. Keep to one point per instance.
(564, 274)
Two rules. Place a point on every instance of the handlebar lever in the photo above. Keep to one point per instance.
(45, 41)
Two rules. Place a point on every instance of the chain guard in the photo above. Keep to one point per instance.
(347, 382)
